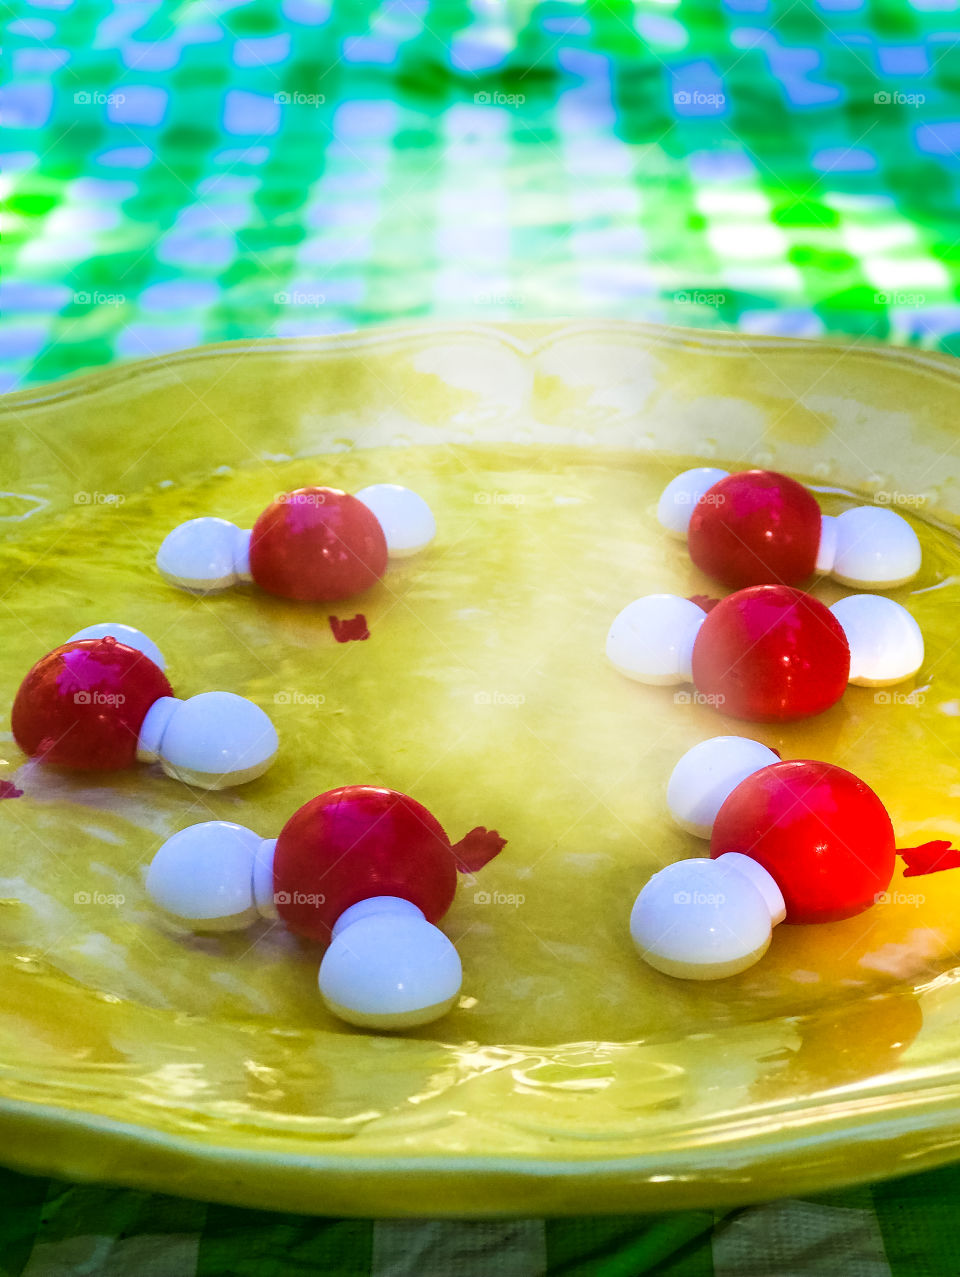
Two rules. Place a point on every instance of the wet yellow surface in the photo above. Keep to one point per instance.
(483, 691)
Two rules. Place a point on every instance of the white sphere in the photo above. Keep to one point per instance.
(707, 774)
(886, 644)
(213, 740)
(682, 494)
(876, 548)
(388, 968)
(123, 634)
(205, 555)
(652, 639)
(407, 521)
(702, 920)
(204, 876)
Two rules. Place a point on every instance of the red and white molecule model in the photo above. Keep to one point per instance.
(101, 702)
(313, 544)
(769, 653)
(370, 870)
(794, 842)
(759, 527)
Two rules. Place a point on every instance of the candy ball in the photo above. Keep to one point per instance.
(771, 653)
(213, 740)
(123, 634)
(205, 555)
(317, 544)
(407, 521)
(204, 875)
(83, 704)
(886, 645)
(652, 639)
(755, 527)
(707, 774)
(681, 494)
(705, 919)
(875, 547)
(819, 831)
(388, 968)
(360, 841)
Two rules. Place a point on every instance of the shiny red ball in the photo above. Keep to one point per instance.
(317, 544)
(84, 703)
(771, 654)
(352, 843)
(821, 832)
(754, 528)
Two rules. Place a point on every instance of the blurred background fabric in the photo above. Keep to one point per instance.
(202, 170)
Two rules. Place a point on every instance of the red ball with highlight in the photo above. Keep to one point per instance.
(83, 704)
(317, 545)
(771, 654)
(754, 528)
(820, 831)
(356, 842)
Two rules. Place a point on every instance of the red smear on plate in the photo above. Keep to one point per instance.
(352, 629)
(477, 848)
(929, 858)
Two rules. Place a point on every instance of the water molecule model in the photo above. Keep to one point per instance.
(759, 527)
(769, 653)
(370, 870)
(313, 544)
(794, 842)
(102, 702)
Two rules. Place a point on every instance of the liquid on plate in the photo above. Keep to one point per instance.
(483, 691)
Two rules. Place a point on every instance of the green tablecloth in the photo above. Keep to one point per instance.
(193, 172)
(902, 1228)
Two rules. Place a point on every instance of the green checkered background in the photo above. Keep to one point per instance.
(201, 170)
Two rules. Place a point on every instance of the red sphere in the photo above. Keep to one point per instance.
(756, 527)
(317, 544)
(352, 843)
(771, 654)
(820, 831)
(84, 703)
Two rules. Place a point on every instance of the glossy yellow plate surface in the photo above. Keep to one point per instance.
(569, 1078)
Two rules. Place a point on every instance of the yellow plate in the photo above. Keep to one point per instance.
(133, 1053)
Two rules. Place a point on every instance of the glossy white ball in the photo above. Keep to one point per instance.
(123, 634)
(388, 968)
(652, 639)
(213, 740)
(886, 643)
(701, 920)
(875, 549)
(708, 774)
(204, 876)
(204, 555)
(682, 494)
(407, 521)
